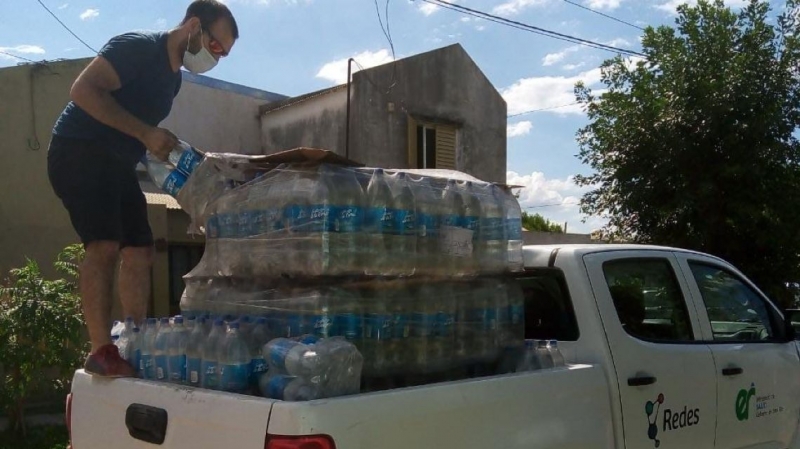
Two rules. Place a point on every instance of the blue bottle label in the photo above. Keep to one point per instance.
(228, 226)
(212, 227)
(471, 223)
(427, 225)
(258, 366)
(174, 182)
(234, 377)
(278, 351)
(347, 219)
(296, 217)
(517, 313)
(277, 385)
(380, 220)
(161, 367)
(405, 222)
(188, 161)
(177, 368)
(321, 325)
(493, 228)
(490, 319)
(424, 325)
(208, 374)
(349, 325)
(402, 325)
(514, 228)
(378, 327)
(193, 371)
(149, 367)
(445, 324)
(296, 325)
(451, 220)
(319, 216)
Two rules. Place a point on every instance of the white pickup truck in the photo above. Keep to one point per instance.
(666, 349)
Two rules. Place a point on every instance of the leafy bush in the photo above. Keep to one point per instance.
(41, 340)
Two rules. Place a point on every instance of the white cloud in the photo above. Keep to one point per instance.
(512, 7)
(429, 8)
(554, 58)
(267, 2)
(480, 27)
(336, 71)
(547, 92)
(618, 42)
(90, 14)
(569, 67)
(64, 6)
(519, 129)
(603, 4)
(161, 24)
(671, 6)
(21, 50)
(554, 199)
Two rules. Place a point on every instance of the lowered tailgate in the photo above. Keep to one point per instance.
(185, 417)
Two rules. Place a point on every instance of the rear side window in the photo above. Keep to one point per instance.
(549, 314)
(648, 299)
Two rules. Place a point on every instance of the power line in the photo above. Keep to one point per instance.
(604, 15)
(531, 28)
(65, 26)
(544, 109)
(388, 33)
(18, 57)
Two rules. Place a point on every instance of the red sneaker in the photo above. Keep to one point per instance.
(107, 362)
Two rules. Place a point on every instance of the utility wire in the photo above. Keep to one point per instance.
(18, 57)
(531, 28)
(603, 14)
(565, 203)
(544, 109)
(388, 33)
(66, 27)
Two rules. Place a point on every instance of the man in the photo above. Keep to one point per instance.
(117, 103)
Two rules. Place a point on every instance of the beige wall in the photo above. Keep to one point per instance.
(33, 222)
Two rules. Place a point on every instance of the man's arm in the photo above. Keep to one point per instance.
(92, 93)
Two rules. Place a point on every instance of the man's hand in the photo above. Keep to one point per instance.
(160, 142)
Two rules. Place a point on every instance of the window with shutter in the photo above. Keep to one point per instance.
(431, 145)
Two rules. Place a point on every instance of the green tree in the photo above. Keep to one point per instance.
(41, 340)
(693, 146)
(537, 222)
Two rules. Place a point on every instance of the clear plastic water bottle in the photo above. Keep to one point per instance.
(349, 315)
(513, 225)
(147, 366)
(444, 339)
(377, 337)
(176, 363)
(516, 312)
(347, 221)
(123, 342)
(164, 175)
(555, 354)
(161, 350)
(380, 225)
(258, 338)
(318, 315)
(136, 346)
(494, 241)
(452, 217)
(185, 158)
(428, 203)
(294, 358)
(530, 361)
(471, 220)
(404, 238)
(286, 388)
(423, 338)
(194, 352)
(209, 376)
(230, 257)
(234, 361)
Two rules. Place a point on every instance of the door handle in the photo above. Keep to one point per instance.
(146, 423)
(732, 371)
(640, 381)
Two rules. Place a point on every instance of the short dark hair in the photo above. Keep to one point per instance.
(209, 11)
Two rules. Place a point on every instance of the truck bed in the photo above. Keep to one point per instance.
(525, 410)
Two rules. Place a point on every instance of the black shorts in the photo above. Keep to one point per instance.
(100, 190)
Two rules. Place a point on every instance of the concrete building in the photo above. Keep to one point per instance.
(208, 113)
(431, 110)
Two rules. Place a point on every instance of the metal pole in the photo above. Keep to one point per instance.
(347, 124)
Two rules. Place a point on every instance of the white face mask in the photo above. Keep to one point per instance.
(202, 61)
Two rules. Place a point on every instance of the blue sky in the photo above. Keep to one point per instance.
(296, 46)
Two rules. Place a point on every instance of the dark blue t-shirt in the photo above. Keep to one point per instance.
(149, 86)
